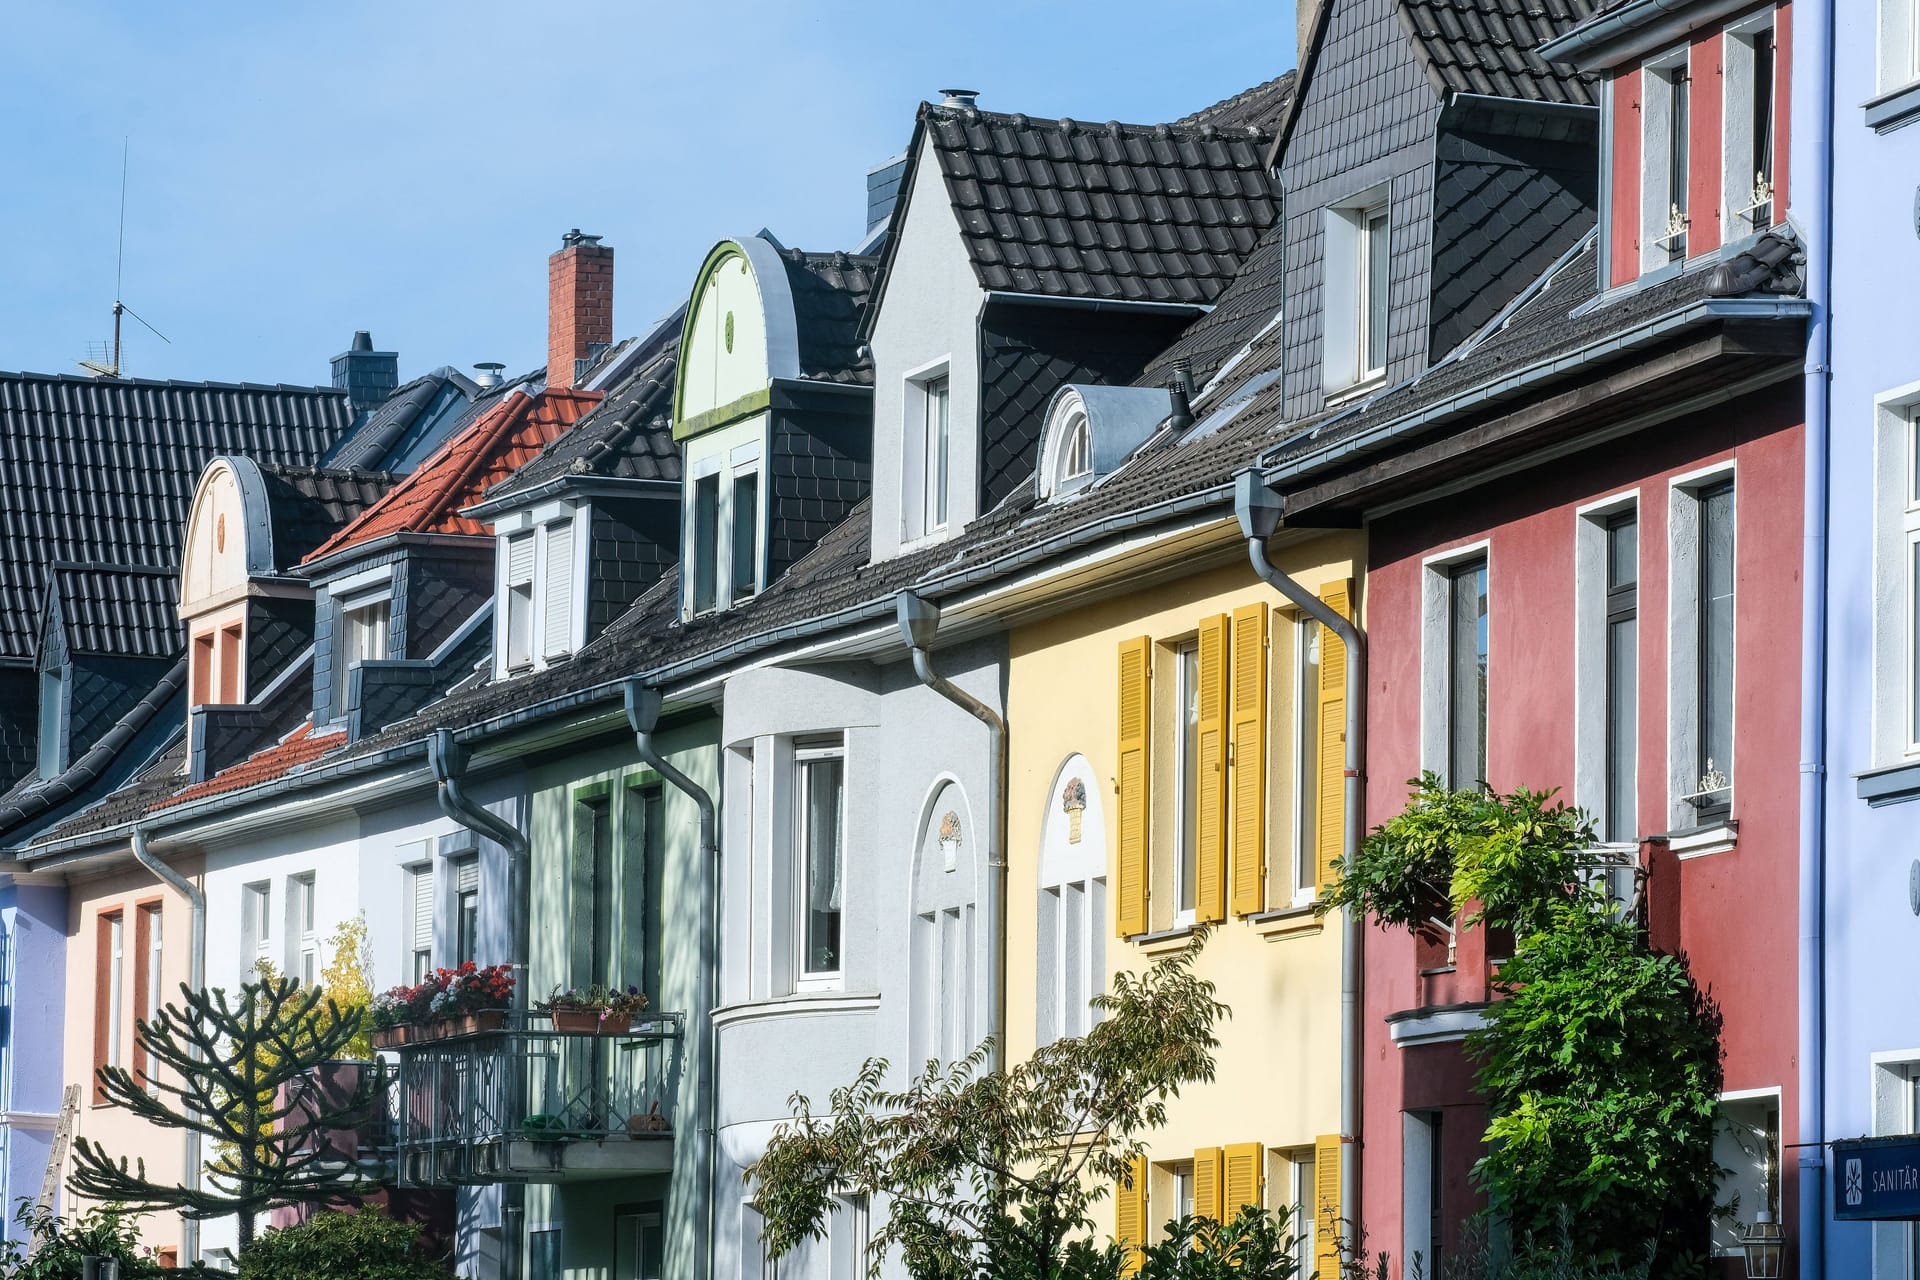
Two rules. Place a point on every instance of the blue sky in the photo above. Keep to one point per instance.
(302, 170)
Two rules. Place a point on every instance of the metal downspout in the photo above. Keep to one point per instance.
(1816, 40)
(197, 980)
(643, 713)
(919, 620)
(1258, 509)
(449, 761)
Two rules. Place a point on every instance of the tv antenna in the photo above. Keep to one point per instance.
(105, 365)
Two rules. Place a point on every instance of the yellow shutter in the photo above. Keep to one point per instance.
(1327, 1212)
(1210, 822)
(1135, 784)
(1240, 1178)
(1206, 1183)
(1332, 797)
(1130, 1212)
(1249, 760)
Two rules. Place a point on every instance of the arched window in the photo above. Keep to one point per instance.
(1074, 459)
(1071, 965)
(945, 888)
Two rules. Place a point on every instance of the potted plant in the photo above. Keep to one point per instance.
(470, 999)
(593, 1010)
(623, 1006)
(391, 1016)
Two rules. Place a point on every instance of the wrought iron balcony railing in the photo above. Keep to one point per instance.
(530, 1103)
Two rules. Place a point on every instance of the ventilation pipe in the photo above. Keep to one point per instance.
(1181, 389)
(960, 99)
(919, 619)
(1257, 508)
(197, 980)
(643, 714)
(449, 760)
(489, 373)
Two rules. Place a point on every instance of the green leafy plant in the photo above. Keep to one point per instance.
(348, 981)
(49, 1247)
(365, 1245)
(994, 1173)
(1254, 1244)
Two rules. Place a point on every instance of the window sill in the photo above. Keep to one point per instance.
(1287, 922)
(1435, 1024)
(1894, 784)
(1356, 390)
(1890, 111)
(797, 1004)
(1166, 941)
(1698, 842)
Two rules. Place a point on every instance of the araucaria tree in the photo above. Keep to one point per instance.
(1600, 1060)
(239, 1073)
(996, 1172)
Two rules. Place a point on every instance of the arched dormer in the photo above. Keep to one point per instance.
(1090, 430)
(229, 543)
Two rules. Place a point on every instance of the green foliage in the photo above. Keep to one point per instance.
(367, 1245)
(1601, 1067)
(995, 1173)
(1504, 860)
(58, 1244)
(1255, 1244)
(347, 980)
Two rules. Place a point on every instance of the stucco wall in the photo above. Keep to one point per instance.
(33, 958)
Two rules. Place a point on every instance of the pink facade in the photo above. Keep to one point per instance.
(1732, 912)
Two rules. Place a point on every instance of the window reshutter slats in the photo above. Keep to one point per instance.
(467, 875)
(1331, 808)
(1248, 760)
(1241, 1165)
(1327, 1210)
(1135, 785)
(559, 590)
(520, 560)
(421, 882)
(1130, 1212)
(1206, 1183)
(1210, 823)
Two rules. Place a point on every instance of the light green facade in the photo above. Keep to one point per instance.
(653, 919)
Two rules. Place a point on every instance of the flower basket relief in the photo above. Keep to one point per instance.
(594, 1010)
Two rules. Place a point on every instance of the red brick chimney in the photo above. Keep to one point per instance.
(579, 305)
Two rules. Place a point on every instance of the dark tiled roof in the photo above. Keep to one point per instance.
(118, 610)
(311, 503)
(1487, 47)
(628, 436)
(374, 443)
(97, 471)
(1149, 213)
(830, 293)
(1249, 307)
(1257, 108)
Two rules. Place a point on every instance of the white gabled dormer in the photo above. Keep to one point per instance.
(926, 399)
(540, 568)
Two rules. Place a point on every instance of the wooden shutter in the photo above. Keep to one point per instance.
(1331, 809)
(1135, 784)
(1206, 1183)
(1130, 1212)
(1210, 820)
(559, 590)
(1240, 1179)
(1248, 760)
(1327, 1210)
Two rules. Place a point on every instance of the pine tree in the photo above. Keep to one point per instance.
(237, 1072)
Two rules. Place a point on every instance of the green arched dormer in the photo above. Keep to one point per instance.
(739, 335)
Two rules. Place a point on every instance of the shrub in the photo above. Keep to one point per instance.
(367, 1245)
(97, 1232)
(1254, 1244)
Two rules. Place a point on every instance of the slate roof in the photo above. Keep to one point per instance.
(95, 470)
(627, 436)
(1257, 108)
(309, 504)
(1487, 47)
(431, 499)
(830, 292)
(118, 610)
(1147, 213)
(391, 430)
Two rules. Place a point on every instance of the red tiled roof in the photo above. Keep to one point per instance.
(302, 747)
(498, 443)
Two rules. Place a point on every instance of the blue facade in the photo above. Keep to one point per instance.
(33, 934)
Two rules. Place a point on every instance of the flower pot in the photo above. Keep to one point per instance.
(581, 1022)
(487, 1020)
(616, 1024)
(390, 1037)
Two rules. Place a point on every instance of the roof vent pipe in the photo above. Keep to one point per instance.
(489, 373)
(1180, 387)
(964, 99)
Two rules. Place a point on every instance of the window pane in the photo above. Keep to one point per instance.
(706, 537)
(937, 449)
(600, 945)
(1467, 675)
(1913, 641)
(746, 528)
(1622, 821)
(820, 784)
(1677, 155)
(1716, 631)
(1307, 787)
(1376, 303)
(1762, 161)
(1189, 754)
(519, 625)
(1623, 552)
(467, 927)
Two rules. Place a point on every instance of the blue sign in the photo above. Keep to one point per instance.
(1877, 1178)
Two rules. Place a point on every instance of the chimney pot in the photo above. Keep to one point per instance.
(488, 373)
(579, 305)
(967, 98)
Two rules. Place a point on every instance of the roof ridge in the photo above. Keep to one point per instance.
(108, 566)
(1110, 128)
(303, 388)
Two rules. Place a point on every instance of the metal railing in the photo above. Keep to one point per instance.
(502, 1105)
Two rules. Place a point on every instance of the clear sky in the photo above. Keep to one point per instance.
(303, 169)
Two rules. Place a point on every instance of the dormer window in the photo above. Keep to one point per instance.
(934, 425)
(1664, 216)
(535, 619)
(726, 565)
(928, 455)
(53, 722)
(519, 601)
(364, 626)
(1359, 243)
(1075, 462)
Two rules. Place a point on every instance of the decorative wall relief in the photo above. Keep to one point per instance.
(1073, 798)
(950, 839)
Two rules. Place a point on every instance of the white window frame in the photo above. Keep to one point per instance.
(419, 951)
(1185, 845)
(518, 625)
(1657, 199)
(1304, 888)
(53, 721)
(1741, 68)
(1894, 1087)
(1896, 661)
(256, 926)
(156, 986)
(1683, 642)
(1066, 869)
(805, 754)
(116, 986)
(349, 609)
(457, 897)
(543, 585)
(920, 518)
(303, 947)
(1348, 307)
(1436, 650)
(726, 467)
(1180, 1189)
(1592, 785)
(1727, 1247)
(1897, 45)
(1301, 1215)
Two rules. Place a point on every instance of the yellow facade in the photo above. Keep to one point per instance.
(1100, 694)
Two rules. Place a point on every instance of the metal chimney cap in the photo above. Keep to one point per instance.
(959, 97)
(490, 372)
(362, 341)
(576, 238)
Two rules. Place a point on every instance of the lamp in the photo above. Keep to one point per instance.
(1762, 1242)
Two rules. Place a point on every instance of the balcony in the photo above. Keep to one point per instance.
(531, 1104)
